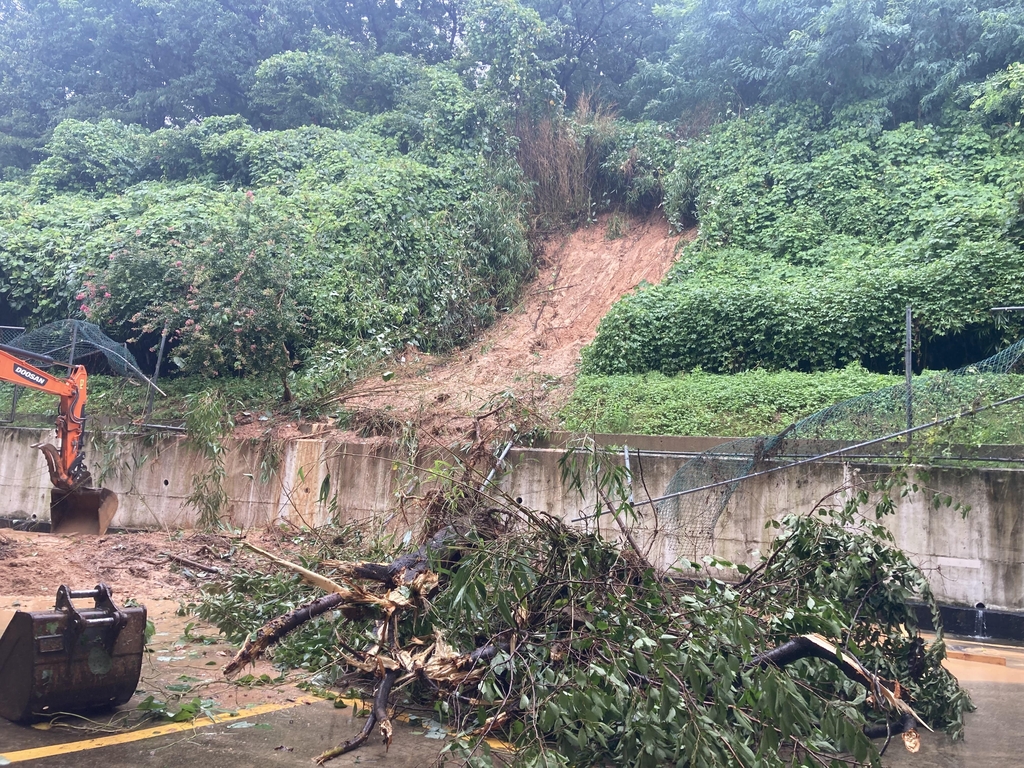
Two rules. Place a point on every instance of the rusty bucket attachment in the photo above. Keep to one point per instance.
(84, 510)
(71, 659)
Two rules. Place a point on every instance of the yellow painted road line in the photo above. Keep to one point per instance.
(147, 733)
(71, 747)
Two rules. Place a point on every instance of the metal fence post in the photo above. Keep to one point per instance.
(908, 367)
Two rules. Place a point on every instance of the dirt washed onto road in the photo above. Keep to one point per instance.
(163, 571)
(134, 564)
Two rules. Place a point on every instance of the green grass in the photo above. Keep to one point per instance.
(752, 403)
(727, 405)
(762, 403)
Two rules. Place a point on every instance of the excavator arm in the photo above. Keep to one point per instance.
(75, 507)
(66, 464)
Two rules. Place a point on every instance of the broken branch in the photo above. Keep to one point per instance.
(277, 628)
(307, 575)
(378, 716)
(190, 563)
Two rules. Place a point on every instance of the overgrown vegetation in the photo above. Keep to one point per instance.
(297, 191)
(752, 403)
(816, 234)
(314, 188)
(325, 238)
(206, 426)
(125, 400)
(861, 405)
(580, 652)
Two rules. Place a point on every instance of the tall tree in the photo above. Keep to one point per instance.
(596, 44)
(155, 62)
(908, 54)
(426, 28)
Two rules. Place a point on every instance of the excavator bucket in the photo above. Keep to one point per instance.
(84, 510)
(71, 659)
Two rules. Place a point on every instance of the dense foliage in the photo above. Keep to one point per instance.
(175, 62)
(909, 56)
(252, 246)
(848, 404)
(816, 235)
(324, 183)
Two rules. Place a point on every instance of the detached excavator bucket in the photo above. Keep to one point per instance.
(71, 659)
(85, 510)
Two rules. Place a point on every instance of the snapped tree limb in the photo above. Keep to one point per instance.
(816, 646)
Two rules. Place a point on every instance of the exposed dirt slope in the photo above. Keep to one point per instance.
(531, 352)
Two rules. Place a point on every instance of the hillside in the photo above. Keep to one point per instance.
(532, 352)
(350, 192)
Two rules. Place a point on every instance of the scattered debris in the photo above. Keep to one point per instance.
(192, 563)
(564, 643)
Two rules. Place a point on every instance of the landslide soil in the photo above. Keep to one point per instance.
(528, 357)
(531, 354)
(523, 366)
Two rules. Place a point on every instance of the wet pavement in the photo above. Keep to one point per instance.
(994, 737)
(278, 724)
(285, 737)
(269, 722)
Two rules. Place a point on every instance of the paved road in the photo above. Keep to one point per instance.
(994, 736)
(184, 662)
(294, 733)
(286, 737)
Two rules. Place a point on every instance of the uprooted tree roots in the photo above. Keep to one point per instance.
(514, 624)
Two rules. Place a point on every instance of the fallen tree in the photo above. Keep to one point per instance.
(577, 651)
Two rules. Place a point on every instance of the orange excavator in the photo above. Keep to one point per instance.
(75, 507)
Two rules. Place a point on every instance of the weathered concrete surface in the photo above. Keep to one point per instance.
(969, 559)
(977, 559)
(266, 481)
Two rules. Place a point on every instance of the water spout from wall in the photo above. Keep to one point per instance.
(980, 630)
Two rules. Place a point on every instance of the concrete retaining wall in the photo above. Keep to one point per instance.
(969, 560)
(267, 482)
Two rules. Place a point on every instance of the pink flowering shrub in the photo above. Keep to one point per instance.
(226, 301)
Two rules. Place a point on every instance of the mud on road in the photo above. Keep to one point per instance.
(262, 717)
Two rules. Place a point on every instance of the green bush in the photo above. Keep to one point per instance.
(255, 247)
(634, 169)
(814, 239)
(226, 297)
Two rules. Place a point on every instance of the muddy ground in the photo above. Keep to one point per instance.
(263, 716)
(185, 656)
(135, 565)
